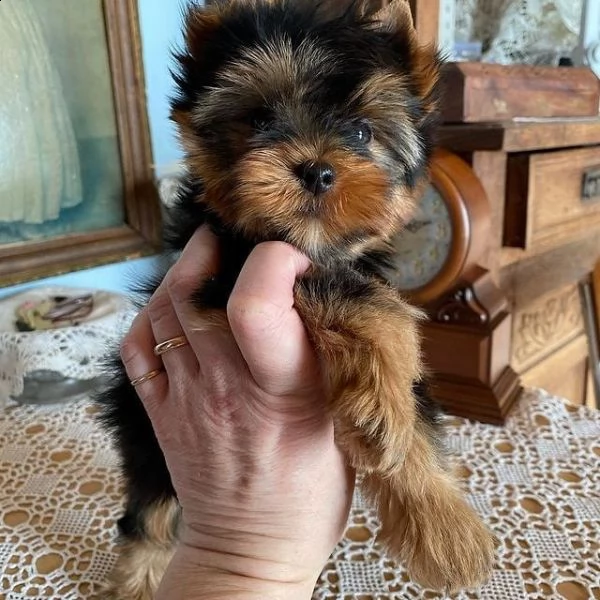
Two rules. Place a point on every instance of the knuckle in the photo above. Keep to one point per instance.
(129, 349)
(252, 318)
(245, 313)
(159, 307)
(180, 283)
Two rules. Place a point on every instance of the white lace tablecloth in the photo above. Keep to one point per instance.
(536, 481)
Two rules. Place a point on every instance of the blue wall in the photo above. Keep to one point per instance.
(160, 22)
(114, 278)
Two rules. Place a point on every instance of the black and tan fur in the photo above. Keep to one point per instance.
(267, 89)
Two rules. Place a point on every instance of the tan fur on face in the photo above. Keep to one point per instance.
(142, 563)
(275, 75)
(384, 94)
(270, 196)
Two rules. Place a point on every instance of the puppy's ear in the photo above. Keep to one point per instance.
(200, 26)
(395, 16)
(424, 60)
(200, 23)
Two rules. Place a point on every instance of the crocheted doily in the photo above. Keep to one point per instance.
(536, 482)
(520, 31)
(74, 352)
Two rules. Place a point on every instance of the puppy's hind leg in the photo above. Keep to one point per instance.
(368, 344)
(146, 546)
(148, 529)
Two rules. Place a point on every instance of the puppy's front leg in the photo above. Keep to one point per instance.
(367, 341)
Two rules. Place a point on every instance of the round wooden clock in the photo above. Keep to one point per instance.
(447, 234)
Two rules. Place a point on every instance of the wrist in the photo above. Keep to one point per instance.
(252, 548)
(196, 574)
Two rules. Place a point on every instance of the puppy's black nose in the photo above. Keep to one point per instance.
(316, 177)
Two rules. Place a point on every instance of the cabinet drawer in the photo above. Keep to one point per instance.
(551, 197)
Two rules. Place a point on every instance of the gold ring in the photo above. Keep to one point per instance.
(150, 375)
(171, 344)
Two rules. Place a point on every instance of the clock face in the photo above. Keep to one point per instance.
(423, 246)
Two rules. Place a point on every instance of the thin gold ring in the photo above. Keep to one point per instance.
(146, 377)
(171, 344)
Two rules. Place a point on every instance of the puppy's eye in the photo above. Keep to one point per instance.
(261, 120)
(363, 132)
(260, 124)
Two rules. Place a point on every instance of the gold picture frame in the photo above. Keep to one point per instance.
(138, 231)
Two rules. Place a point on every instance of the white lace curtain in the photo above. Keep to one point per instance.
(520, 31)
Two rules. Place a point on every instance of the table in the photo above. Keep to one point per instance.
(536, 481)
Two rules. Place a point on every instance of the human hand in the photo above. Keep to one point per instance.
(240, 414)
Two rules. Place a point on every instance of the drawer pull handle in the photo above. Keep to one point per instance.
(590, 185)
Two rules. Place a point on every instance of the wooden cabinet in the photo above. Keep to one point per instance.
(540, 179)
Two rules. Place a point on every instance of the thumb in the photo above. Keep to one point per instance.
(265, 324)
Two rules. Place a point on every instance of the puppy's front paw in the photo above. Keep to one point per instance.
(428, 525)
(452, 550)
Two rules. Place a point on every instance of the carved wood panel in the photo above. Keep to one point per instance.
(544, 326)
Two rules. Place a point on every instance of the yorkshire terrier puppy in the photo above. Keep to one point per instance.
(312, 122)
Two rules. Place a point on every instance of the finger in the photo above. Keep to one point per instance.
(197, 262)
(140, 362)
(264, 322)
(167, 329)
(209, 336)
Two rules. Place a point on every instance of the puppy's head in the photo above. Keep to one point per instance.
(308, 122)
